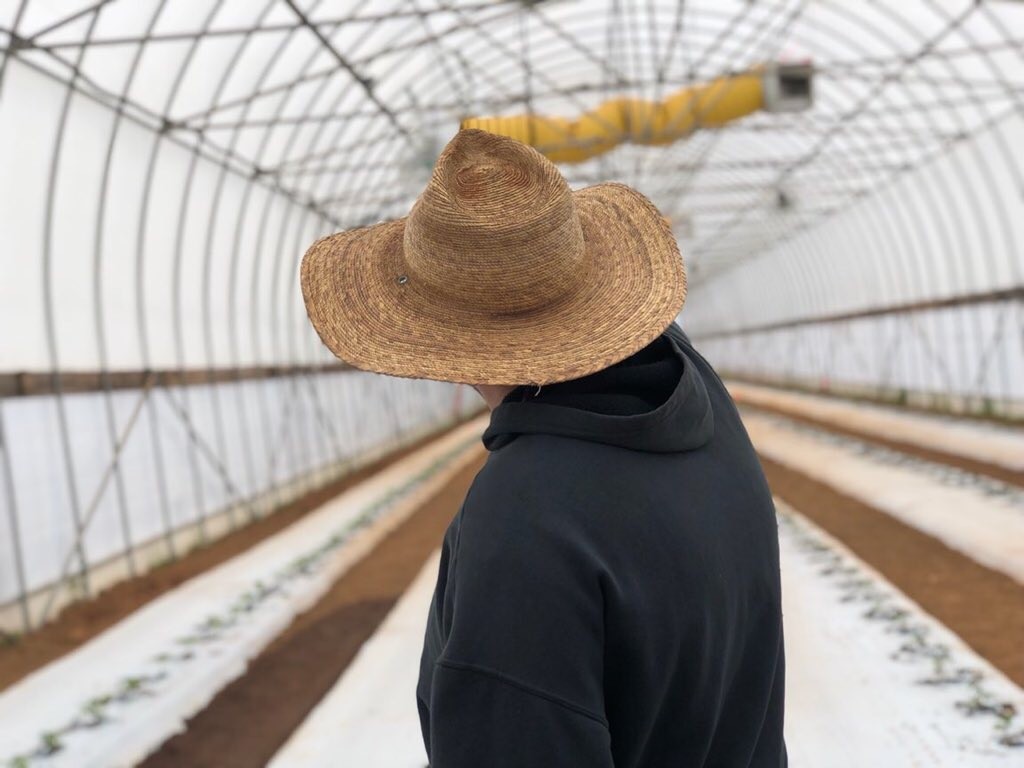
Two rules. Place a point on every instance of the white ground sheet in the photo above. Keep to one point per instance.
(982, 524)
(871, 679)
(854, 697)
(119, 696)
(1002, 446)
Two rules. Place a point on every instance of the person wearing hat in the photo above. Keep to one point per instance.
(609, 592)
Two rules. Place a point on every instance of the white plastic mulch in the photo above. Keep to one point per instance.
(119, 696)
(983, 519)
(991, 443)
(871, 679)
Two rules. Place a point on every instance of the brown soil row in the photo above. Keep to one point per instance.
(1005, 474)
(984, 607)
(81, 621)
(248, 721)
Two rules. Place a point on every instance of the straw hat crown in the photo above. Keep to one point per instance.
(492, 204)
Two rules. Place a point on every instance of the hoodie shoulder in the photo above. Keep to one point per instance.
(539, 482)
(532, 464)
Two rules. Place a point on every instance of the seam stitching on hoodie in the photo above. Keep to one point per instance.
(464, 667)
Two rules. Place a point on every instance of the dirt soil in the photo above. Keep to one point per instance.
(984, 607)
(81, 621)
(250, 720)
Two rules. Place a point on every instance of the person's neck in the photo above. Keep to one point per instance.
(493, 394)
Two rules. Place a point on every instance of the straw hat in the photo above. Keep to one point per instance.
(500, 274)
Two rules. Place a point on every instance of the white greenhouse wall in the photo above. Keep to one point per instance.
(951, 228)
(274, 439)
(922, 359)
(174, 287)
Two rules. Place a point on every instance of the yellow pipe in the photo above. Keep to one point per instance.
(639, 121)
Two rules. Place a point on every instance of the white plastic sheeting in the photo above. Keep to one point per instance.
(961, 360)
(871, 679)
(949, 225)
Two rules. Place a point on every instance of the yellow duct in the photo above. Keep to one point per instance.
(638, 121)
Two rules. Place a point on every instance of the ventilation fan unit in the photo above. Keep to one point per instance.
(787, 87)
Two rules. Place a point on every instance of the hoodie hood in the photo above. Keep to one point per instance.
(654, 400)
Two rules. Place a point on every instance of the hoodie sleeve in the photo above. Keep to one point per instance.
(519, 679)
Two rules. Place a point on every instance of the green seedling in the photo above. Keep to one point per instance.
(51, 743)
(9, 639)
(131, 685)
(96, 712)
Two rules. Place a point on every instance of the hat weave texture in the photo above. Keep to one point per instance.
(500, 274)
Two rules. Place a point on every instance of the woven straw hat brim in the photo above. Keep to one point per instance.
(368, 316)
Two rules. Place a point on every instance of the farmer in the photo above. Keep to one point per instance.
(608, 594)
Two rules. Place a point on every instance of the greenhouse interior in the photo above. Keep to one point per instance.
(225, 528)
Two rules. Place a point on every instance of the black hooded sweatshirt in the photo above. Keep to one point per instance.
(608, 594)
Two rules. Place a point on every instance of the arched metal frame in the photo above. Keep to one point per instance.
(871, 244)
